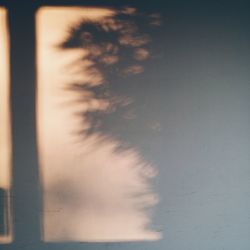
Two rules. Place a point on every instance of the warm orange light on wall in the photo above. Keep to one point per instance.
(5, 137)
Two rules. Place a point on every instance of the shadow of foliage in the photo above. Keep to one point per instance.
(120, 50)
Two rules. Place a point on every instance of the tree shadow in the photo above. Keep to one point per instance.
(110, 180)
(121, 51)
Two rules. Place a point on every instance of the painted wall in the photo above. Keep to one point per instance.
(198, 93)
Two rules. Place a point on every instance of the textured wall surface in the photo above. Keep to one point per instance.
(197, 93)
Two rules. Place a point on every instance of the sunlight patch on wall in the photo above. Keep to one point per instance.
(95, 188)
(5, 138)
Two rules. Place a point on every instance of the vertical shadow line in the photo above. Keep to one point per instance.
(26, 186)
